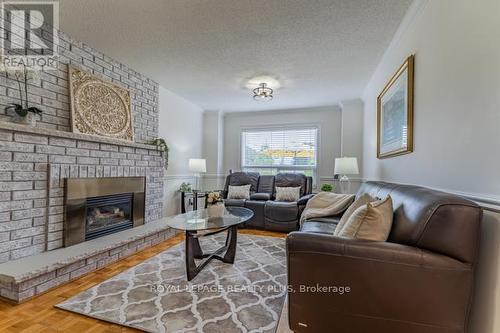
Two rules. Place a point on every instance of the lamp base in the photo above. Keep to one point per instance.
(344, 178)
(345, 185)
(196, 182)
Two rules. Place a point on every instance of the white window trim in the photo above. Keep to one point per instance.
(264, 128)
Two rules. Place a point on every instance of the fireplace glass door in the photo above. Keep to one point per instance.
(108, 214)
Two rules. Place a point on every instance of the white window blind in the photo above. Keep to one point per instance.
(269, 151)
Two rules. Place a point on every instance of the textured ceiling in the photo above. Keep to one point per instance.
(321, 52)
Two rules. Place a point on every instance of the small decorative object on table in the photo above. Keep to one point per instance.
(162, 146)
(213, 198)
(327, 188)
(25, 114)
(215, 206)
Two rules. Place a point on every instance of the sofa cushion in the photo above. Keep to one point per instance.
(243, 178)
(260, 196)
(235, 202)
(318, 227)
(360, 201)
(291, 180)
(239, 192)
(266, 184)
(372, 221)
(281, 211)
(257, 207)
(290, 194)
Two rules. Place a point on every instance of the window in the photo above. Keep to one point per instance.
(288, 149)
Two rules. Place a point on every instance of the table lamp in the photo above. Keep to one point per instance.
(197, 166)
(346, 166)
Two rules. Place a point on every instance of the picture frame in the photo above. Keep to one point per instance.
(395, 113)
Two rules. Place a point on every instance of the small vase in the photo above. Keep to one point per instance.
(216, 210)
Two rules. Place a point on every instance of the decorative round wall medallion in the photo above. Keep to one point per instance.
(99, 107)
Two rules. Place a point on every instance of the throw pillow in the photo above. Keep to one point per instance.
(287, 193)
(239, 192)
(362, 200)
(372, 221)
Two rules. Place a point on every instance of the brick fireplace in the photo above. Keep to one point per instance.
(36, 167)
(35, 163)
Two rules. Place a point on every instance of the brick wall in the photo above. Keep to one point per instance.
(40, 282)
(33, 167)
(33, 163)
(50, 91)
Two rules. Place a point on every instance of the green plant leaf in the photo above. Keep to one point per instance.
(35, 110)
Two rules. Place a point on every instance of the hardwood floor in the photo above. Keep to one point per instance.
(39, 314)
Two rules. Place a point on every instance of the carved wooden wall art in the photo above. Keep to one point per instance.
(99, 107)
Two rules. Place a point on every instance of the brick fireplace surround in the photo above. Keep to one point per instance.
(34, 161)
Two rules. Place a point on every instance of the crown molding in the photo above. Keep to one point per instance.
(415, 9)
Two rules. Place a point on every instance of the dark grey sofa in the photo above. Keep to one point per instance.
(268, 213)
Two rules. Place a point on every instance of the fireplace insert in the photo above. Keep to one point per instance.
(108, 214)
(97, 207)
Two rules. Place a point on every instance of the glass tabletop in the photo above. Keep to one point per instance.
(204, 219)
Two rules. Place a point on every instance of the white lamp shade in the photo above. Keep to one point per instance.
(346, 166)
(197, 165)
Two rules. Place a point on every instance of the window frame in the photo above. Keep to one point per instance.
(266, 128)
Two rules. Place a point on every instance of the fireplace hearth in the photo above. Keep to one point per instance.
(97, 207)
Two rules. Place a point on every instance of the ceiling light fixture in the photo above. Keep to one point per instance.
(263, 93)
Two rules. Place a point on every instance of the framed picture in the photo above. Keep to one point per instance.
(395, 113)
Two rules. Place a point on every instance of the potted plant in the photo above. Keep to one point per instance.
(327, 187)
(24, 113)
(185, 187)
(162, 146)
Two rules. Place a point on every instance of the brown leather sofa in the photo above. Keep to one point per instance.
(420, 280)
(268, 213)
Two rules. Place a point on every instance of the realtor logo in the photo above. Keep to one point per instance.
(29, 34)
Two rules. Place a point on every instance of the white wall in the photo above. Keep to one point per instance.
(457, 98)
(181, 125)
(457, 119)
(213, 149)
(352, 130)
(328, 119)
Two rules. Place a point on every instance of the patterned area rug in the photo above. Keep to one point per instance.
(154, 296)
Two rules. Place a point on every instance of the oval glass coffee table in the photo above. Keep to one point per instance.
(202, 223)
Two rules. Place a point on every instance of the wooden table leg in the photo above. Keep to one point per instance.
(191, 270)
(194, 251)
(232, 235)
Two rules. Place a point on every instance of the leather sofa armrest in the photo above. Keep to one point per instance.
(304, 199)
(382, 277)
(260, 196)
